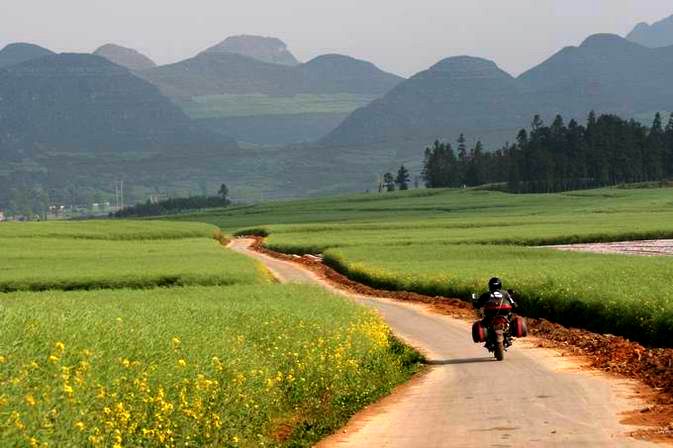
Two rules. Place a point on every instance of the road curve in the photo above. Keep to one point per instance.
(535, 398)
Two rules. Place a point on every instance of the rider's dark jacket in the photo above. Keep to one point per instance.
(495, 296)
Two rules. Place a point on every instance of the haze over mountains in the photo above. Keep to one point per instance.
(79, 103)
(659, 34)
(331, 124)
(17, 53)
(232, 88)
(126, 57)
(265, 49)
(606, 73)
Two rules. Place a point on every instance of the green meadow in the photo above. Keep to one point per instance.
(449, 242)
(229, 105)
(140, 333)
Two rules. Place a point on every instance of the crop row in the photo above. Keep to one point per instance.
(39, 264)
(605, 293)
(235, 366)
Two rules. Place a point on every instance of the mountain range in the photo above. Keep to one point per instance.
(80, 103)
(331, 124)
(606, 73)
(659, 34)
(268, 103)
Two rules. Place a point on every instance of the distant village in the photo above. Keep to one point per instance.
(59, 212)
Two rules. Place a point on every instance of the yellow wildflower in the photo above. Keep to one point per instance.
(54, 358)
(60, 346)
(30, 400)
(175, 342)
(2, 359)
(67, 389)
(80, 426)
(182, 363)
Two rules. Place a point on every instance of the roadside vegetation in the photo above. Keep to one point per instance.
(449, 242)
(246, 362)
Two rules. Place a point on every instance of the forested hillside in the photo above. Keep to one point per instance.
(606, 151)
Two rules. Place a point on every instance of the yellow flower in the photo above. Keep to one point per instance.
(54, 358)
(235, 439)
(30, 400)
(182, 363)
(67, 389)
(80, 426)
(33, 442)
(60, 346)
(2, 359)
(175, 342)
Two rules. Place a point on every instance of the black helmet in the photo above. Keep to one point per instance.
(494, 284)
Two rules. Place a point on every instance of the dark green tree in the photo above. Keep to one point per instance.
(389, 182)
(223, 192)
(402, 180)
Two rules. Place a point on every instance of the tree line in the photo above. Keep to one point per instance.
(606, 151)
(175, 205)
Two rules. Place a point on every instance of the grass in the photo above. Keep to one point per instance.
(106, 230)
(153, 334)
(227, 105)
(262, 365)
(38, 264)
(449, 242)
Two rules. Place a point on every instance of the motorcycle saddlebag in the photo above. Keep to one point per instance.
(479, 332)
(518, 327)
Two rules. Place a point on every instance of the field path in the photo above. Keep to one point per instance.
(535, 398)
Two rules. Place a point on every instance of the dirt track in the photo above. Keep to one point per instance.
(649, 248)
(535, 398)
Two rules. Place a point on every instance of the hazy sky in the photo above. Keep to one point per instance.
(400, 36)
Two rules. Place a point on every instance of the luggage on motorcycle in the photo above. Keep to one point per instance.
(479, 332)
(518, 327)
(498, 304)
(498, 307)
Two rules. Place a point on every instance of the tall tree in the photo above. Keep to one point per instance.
(223, 192)
(403, 178)
(389, 182)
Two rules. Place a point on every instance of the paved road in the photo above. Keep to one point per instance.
(535, 398)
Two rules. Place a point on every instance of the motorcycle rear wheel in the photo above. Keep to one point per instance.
(500, 351)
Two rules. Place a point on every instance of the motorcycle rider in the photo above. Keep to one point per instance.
(495, 294)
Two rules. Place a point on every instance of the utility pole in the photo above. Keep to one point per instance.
(116, 203)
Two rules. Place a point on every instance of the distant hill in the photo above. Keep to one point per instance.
(215, 73)
(126, 57)
(265, 49)
(79, 103)
(17, 53)
(220, 73)
(288, 104)
(659, 34)
(335, 73)
(456, 95)
(606, 73)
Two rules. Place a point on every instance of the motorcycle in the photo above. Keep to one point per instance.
(498, 326)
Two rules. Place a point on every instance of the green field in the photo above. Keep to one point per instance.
(229, 105)
(247, 362)
(449, 242)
